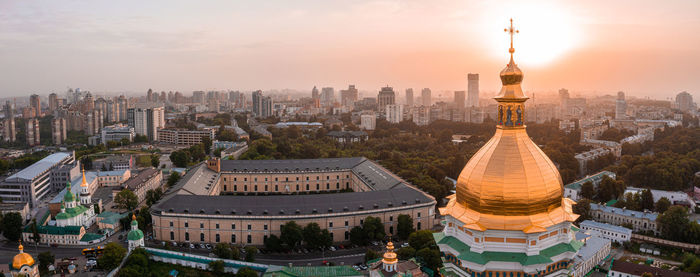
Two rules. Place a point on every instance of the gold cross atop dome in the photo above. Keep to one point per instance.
(511, 31)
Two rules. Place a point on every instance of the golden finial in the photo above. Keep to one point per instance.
(133, 216)
(511, 31)
(20, 246)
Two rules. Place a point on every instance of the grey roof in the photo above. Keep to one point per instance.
(40, 167)
(305, 204)
(290, 165)
(625, 212)
(136, 182)
(340, 134)
(199, 180)
(605, 226)
(376, 176)
(592, 247)
(111, 173)
(75, 186)
(595, 179)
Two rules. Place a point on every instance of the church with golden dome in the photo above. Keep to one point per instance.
(23, 264)
(508, 217)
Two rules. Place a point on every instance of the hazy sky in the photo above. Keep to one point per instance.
(645, 48)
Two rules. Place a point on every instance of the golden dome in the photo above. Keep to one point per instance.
(389, 256)
(22, 259)
(510, 184)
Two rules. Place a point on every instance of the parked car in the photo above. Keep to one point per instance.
(405, 244)
(201, 245)
(331, 248)
(208, 246)
(191, 246)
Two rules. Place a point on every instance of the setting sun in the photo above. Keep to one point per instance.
(547, 32)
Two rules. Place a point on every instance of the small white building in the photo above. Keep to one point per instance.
(676, 197)
(573, 190)
(612, 232)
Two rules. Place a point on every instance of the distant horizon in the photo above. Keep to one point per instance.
(586, 47)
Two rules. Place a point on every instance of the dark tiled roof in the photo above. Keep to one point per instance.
(638, 270)
(290, 165)
(306, 204)
(137, 181)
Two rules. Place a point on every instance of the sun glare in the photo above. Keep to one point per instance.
(546, 32)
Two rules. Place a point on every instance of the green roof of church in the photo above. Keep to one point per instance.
(68, 197)
(72, 212)
(135, 233)
(544, 257)
(54, 230)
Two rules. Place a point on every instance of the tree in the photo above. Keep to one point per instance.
(112, 256)
(250, 252)
(153, 195)
(12, 226)
(217, 267)
(173, 178)
(647, 200)
(179, 158)
(246, 272)
(406, 253)
(206, 142)
(429, 258)
(155, 160)
(235, 253)
(357, 236)
(371, 255)
(404, 227)
(45, 260)
(87, 162)
(291, 234)
(662, 205)
(587, 190)
(373, 228)
(126, 200)
(273, 243)
(422, 239)
(673, 223)
(326, 239)
(140, 138)
(583, 209)
(35, 232)
(222, 250)
(312, 235)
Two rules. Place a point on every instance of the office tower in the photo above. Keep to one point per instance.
(35, 103)
(368, 121)
(472, 90)
(314, 93)
(58, 130)
(459, 99)
(123, 107)
(53, 102)
(327, 97)
(564, 103)
(620, 106)
(394, 113)
(385, 97)
(684, 101)
(146, 121)
(409, 97)
(257, 103)
(348, 97)
(33, 132)
(425, 96)
(9, 130)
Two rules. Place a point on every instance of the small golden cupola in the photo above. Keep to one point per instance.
(510, 183)
(22, 259)
(389, 259)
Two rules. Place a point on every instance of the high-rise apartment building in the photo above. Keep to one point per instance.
(385, 97)
(409, 97)
(262, 105)
(348, 97)
(197, 97)
(472, 90)
(35, 102)
(53, 102)
(123, 107)
(684, 101)
(564, 103)
(315, 94)
(620, 106)
(59, 130)
(421, 115)
(9, 133)
(327, 97)
(425, 96)
(33, 132)
(394, 113)
(94, 122)
(459, 99)
(368, 121)
(146, 121)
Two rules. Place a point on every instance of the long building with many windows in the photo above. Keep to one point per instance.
(236, 201)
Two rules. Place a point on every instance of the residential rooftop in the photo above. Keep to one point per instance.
(625, 212)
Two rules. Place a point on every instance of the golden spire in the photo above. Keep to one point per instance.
(84, 183)
(21, 248)
(511, 31)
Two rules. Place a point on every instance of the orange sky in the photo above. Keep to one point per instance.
(645, 48)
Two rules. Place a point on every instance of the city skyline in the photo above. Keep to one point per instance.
(587, 48)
